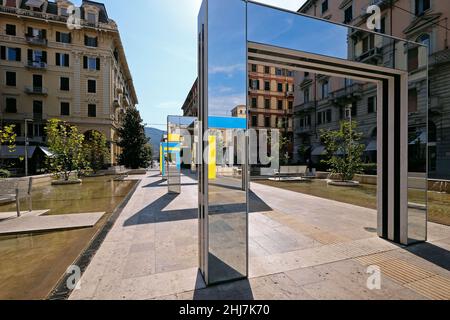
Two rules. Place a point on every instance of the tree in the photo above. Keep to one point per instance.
(96, 150)
(66, 144)
(136, 153)
(8, 137)
(344, 150)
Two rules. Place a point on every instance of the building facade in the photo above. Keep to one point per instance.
(55, 67)
(320, 99)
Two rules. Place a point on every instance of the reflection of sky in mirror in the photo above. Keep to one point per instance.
(181, 121)
(289, 30)
(227, 56)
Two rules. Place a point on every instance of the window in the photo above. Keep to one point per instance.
(267, 122)
(10, 3)
(37, 58)
(422, 6)
(254, 84)
(412, 100)
(92, 86)
(90, 41)
(63, 12)
(91, 63)
(267, 103)
(426, 41)
(413, 59)
(325, 117)
(62, 59)
(290, 105)
(10, 54)
(348, 14)
(92, 110)
(254, 121)
(267, 70)
(306, 95)
(254, 68)
(11, 80)
(11, 105)
(63, 37)
(37, 82)
(254, 103)
(354, 109)
(324, 6)
(280, 104)
(10, 29)
(65, 109)
(92, 17)
(267, 85)
(37, 107)
(368, 43)
(278, 72)
(64, 84)
(280, 87)
(325, 89)
(372, 104)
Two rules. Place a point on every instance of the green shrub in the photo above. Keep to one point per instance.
(4, 174)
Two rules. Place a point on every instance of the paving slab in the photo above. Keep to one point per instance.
(30, 224)
(13, 214)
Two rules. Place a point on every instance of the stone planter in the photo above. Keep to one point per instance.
(65, 183)
(348, 184)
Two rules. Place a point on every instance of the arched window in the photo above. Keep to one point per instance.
(425, 39)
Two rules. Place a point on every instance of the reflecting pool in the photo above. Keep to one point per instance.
(31, 265)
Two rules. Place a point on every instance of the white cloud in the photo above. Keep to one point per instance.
(228, 70)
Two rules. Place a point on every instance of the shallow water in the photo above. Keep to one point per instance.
(31, 265)
(366, 196)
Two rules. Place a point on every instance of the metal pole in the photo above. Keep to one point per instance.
(26, 148)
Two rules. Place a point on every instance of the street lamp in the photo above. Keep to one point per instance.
(26, 145)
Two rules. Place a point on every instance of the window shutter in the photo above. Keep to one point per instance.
(18, 54)
(30, 32)
(70, 37)
(58, 59)
(257, 84)
(3, 52)
(44, 56)
(44, 34)
(30, 55)
(66, 62)
(96, 42)
(85, 40)
(58, 36)
(85, 62)
(98, 64)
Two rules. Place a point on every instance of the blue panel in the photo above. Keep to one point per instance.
(227, 123)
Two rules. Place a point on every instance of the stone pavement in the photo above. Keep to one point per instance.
(301, 247)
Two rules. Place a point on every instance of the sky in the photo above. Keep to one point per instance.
(160, 41)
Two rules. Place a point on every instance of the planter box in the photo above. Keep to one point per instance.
(65, 183)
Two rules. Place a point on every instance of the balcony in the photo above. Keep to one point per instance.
(37, 41)
(39, 65)
(304, 107)
(303, 130)
(371, 55)
(36, 90)
(290, 94)
(347, 94)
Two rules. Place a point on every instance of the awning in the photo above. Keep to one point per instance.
(372, 146)
(34, 3)
(19, 152)
(422, 139)
(47, 152)
(319, 151)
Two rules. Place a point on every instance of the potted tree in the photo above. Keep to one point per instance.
(344, 154)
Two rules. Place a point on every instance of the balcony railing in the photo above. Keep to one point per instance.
(36, 90)
(36, 65)
(304, 106)
(37, 41)
(354, 90)
(374, 53)
(305, 129)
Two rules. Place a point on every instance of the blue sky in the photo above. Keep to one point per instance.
(159, 37)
